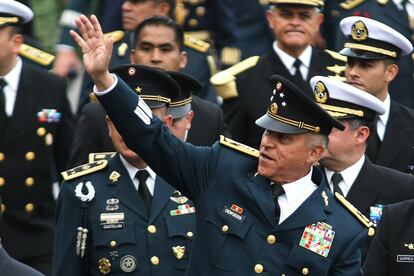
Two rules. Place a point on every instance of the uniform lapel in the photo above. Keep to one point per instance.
(124, 188)
(363, 192)
(26, 100)
(395, 138)
(162, 193)
(262, 193)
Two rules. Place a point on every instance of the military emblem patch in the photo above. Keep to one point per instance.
(375, 213)
(104, 266)
(128, 263)
(114, 176)
(182, 210)
(273, 108)
(178, 251)
(359, 31)
(318, 238)
(320, 92)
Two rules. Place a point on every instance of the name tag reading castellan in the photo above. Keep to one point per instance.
(112, 221)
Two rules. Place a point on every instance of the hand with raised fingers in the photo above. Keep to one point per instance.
(96, 50)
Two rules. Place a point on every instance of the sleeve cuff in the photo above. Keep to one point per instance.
(101, 93)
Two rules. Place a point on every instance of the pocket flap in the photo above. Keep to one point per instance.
(103, 237)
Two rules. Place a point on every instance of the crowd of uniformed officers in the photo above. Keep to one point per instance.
(208, 137)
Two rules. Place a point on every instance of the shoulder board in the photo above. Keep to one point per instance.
(382, 2)
(196, 44)
(116, 35)
(239, 146)
(36, 55)
(350, 4)
(96, 156)
(336, 55)
(84, 169)
(354, 211)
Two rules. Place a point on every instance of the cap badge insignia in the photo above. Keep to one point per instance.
(359, 31)
(178, 251)
(113, 177)
(320, 92)
(131, 71)
(273, 108)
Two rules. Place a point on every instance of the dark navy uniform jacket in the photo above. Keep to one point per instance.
(216, 178)
(142, 236)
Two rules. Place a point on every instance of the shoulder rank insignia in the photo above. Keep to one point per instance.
(382, 2)
(196, 44)
(224, 81)
(239, 146)
(36, 55)
(336, 55)
(95, 156)
(350, 4)
(84, 169)
(116, 35)
(354, 211)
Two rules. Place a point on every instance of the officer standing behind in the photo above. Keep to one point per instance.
(348, 171)
(373, 50)
(158, 43)
(391, 253)
(242, 225)
(245, 86)
(119, 216)
(36, 133)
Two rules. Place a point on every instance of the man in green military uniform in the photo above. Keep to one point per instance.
(118, 216)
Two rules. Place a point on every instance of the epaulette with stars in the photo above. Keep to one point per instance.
(239, 146)
(84, 169)
(350, 4)
(36, 55)
(196, 44)
(356, 213)
(96, 156)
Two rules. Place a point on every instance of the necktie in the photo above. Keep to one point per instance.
(3, 116)
(336, 178)
(374, 146)
(277, 190)
(298, 74)
(143, 191)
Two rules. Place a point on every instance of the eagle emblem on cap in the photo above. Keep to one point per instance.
(359, 31)
(273, 108)
(320, 92)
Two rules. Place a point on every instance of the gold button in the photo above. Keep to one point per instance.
(29, 207)
(225, 228)
(29, 181)
(113, 244)
(2, 181)
(30, 156)
(258, 268)
(41, 131)
(1, 156)
(371, 232)
(155, 260)
(192, 22)
(3, 208)
(335, 13)
(305, 271)
(200, 11)
(152, 229)
(271, 239)
(190, 234)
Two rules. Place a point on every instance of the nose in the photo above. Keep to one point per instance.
(351, 71)
(156, 56)
(126, 6)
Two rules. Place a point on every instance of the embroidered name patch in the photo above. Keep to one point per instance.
(405, 258)
(233, 214)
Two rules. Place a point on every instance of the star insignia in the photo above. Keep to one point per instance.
(138, 89)
(282, 95)
(284, 104)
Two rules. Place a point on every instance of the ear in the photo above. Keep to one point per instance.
(361, 135)
(163, 9)
(189, 119)
(183, 59)
(319, 20)
(168, 120)
(17, 42)
(391, 72)
(269, 16)
(316, 154)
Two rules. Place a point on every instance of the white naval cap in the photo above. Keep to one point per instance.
(343, 101)
(14, 13)
(370, 39)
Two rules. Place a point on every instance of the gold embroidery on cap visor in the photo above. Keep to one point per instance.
(320, 92)
(336, 111)
(359, 31)
(298, 124)
(373, 49)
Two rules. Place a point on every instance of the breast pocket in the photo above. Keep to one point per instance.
(301, 259)
(115, 238)
(180, 235)
(226, 237)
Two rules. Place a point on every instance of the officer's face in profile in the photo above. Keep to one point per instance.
(294, 26)
(135, 11)
(181, 126)
(10, 44)
(157, 47)
(284, 158)
(345, 147)
(372, 76)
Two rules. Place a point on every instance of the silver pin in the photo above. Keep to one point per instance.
(78, 240)
(83, 243)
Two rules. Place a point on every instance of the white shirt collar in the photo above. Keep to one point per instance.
(288, 60)
(132, 171)
(349, 175)
(383, 119)
(10, 91)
